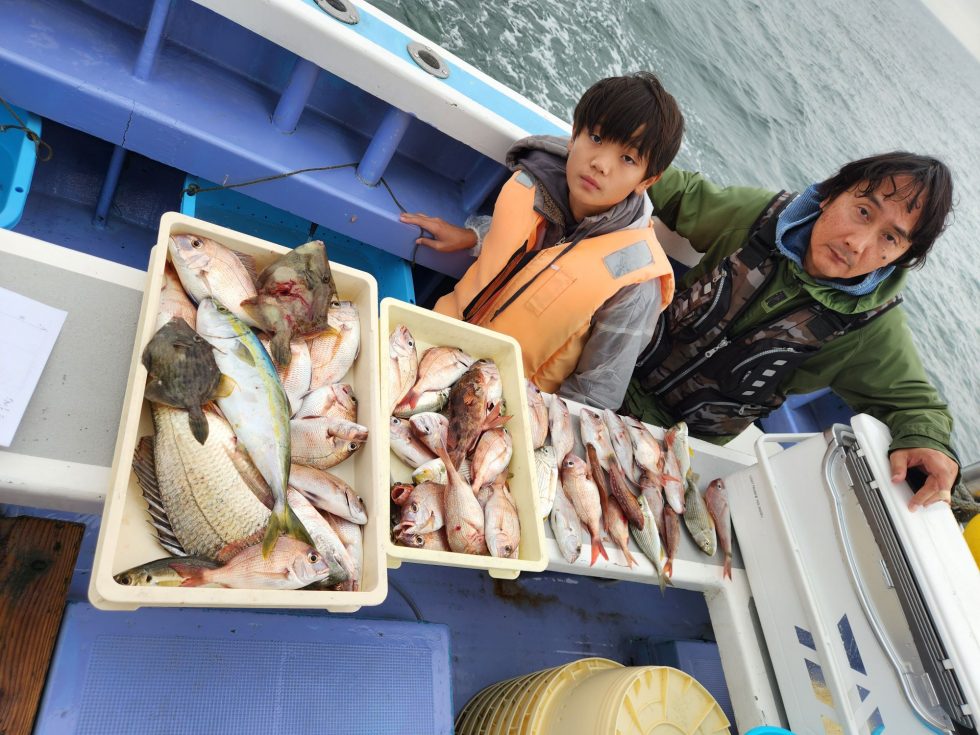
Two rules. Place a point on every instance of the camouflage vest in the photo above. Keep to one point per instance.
(718, 382)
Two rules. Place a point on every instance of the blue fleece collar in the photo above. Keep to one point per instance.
(793, 230)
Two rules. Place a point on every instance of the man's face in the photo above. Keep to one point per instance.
(856, 234)
(602, 173)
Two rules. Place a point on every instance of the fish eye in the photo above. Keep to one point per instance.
(125, 579)
(395, 420)
(418, 540)
(197, 243)
(415, 507)
(335, 303)
(313, 557)
(352, 446)
(508, 550)
(148, 579)
(411, 343)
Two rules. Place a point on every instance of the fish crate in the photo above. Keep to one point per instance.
(127, 539)
(241, 212)
(17, 158)
(430, 329)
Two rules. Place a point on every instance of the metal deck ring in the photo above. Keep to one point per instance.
(342, 10)
(428, 60)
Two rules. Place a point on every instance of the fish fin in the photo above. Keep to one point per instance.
(241, 352)
(226, 387)
(727, 572)
(664, 477)
(144, 467)
(249, 262)
(411, 398)
(597, 549)
(669, 568)
(630, 559)
(279, 347)
(494, 420)
(193, 576)
(198, 423)
(155, 392)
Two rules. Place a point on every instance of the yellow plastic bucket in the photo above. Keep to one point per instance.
(639, 700)
(515, 706)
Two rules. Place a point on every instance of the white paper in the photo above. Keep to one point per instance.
(28, 330)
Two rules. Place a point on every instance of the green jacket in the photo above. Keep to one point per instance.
(875, 369)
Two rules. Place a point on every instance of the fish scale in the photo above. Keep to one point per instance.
(207, 502)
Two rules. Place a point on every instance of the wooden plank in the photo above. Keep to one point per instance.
(37, 557)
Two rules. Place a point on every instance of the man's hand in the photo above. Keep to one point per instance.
(446, 238)
(940, 469)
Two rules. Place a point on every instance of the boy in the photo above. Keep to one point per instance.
(569, 265)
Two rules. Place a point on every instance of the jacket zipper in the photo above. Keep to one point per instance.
(742, 407)
(714, 303)
(664, 387)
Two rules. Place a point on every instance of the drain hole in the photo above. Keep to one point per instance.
(429, 59)
(339, 9)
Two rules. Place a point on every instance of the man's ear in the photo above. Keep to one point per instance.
(647, 183)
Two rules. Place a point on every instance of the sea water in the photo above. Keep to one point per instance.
(775, 94)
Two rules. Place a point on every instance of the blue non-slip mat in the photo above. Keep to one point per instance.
(213, 671)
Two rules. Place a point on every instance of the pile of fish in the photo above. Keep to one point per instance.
(619, 487)
(236, 475)
(447, 426)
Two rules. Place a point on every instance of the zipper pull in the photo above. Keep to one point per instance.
(724, 343)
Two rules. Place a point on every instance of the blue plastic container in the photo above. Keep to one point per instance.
(237, 211)
(768, 730)
(187, 672)
(17, 157)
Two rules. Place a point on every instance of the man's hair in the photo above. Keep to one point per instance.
(929, 189)
(635, 110)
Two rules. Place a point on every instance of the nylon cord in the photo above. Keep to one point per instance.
(31, 135)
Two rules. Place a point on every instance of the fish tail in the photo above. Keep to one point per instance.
(630, 559)
(199, 424)
(293, 526)
(193, 576)
(669, 567)
(597, 549)
(411, 398)
(279, 345)
(727, 573)
(662, 581)
(494, 419)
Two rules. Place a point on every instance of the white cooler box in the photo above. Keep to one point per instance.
(871, 614)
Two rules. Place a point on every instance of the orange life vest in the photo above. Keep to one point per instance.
(544, 301)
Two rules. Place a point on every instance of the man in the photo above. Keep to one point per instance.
(798, 293)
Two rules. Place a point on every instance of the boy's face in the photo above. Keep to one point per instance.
(601, 173)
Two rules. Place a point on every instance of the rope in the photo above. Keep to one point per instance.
(31, 135)
(194, 190)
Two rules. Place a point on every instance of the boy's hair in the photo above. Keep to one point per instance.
(930, 190)
(635, 110)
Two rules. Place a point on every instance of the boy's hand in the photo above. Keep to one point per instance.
(446, 238)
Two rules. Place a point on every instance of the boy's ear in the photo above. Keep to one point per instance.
(647, 183)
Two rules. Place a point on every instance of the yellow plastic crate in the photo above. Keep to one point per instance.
(126, 539)
(430, 329)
